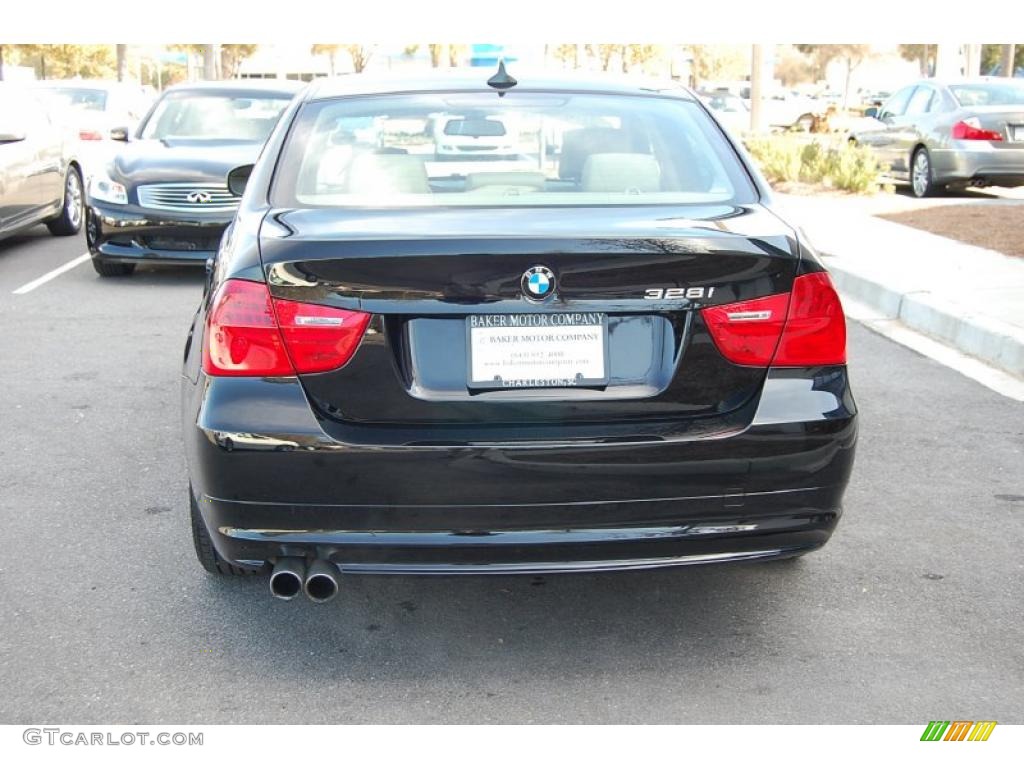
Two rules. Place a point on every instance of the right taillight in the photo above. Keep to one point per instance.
(806, 327)
(815, 332)
(250, 333)
(971, 130)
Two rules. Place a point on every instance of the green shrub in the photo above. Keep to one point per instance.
(830, 162)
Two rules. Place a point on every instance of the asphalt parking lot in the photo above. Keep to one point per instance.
(912, 613)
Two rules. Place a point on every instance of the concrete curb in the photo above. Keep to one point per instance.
(996, 342)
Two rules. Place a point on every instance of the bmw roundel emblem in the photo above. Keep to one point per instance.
(538, 283)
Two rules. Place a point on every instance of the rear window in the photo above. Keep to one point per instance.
(522, 149)
(989, 94)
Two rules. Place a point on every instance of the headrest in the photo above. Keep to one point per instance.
(580, 143)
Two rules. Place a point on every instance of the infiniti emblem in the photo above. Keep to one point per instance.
(199, 197)
(538, 283)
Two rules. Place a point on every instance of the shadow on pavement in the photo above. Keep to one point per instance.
(434, 627)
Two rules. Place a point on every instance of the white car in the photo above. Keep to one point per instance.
(105, 113)
(463, 137)
(730, 110)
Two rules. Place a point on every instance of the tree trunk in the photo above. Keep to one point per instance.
(1007, 64)
(122, 61)
(756, 87)
(209, 61)
(846, 86)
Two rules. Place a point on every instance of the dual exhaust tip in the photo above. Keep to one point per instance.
(291, 576)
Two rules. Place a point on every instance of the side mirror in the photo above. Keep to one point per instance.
(11, 134)
(238, 178)
(871, 112)
(119, 134)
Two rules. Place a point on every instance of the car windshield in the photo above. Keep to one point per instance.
(234, 117)
(91, 99)
(989, 94)
(525, 148)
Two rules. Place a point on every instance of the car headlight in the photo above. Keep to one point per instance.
(103, 188)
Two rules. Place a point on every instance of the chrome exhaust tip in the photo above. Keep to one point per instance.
(287, 577)
(321, 582)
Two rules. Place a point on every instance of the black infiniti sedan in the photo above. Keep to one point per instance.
(163, 198)
(608, 352)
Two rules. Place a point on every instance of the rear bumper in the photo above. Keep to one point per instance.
(130, 234)
(270, 482)
(1001, 167)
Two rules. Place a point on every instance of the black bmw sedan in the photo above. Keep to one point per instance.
(164, 197)
(607, 352)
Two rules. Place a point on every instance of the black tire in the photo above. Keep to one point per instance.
(72, 209)
(205, 552)
(112, 268)
(922, 180)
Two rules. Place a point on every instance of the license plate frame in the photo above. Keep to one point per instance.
(1017, 133)
(546, 331)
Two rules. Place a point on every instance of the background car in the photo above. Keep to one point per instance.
(730, 110)
(40, 175)
(469, 136)
(937, 134)
(104, 113)
(163, 197)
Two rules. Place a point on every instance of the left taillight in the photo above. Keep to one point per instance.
(250, 333)
(87, 134)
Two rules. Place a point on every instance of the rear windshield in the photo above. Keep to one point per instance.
(526, 148)
(214, 116)
(989, 94)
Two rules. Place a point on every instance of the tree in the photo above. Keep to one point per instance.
(851, 55)
(639, 55)
(720, 62)
(566, 53)
(330, 50)
(231, 57)
(793, 67)
(923, 54)
(360, 55)
(992, 58)
(64, 61)
(605, 52)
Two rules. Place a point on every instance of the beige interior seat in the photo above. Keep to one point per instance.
(623, 172)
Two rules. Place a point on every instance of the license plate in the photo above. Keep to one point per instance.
(1018, 132)
(520, 351)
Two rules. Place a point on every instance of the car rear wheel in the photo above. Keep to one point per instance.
(69, 222)
(112, 268)
(205, 552)
(921, 178)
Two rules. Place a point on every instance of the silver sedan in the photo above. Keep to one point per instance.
(951, 134)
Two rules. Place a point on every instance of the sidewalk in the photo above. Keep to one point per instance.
(968, 297)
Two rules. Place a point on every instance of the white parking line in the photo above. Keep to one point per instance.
(52, 274)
